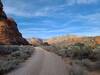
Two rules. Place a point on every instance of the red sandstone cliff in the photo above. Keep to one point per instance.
(9, 33)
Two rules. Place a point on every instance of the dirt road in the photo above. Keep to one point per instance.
(42, 63)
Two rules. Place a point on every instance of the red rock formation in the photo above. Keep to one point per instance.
(2, 13)
(35, 41)
(91, 41)
(9, 33)
(97, 39)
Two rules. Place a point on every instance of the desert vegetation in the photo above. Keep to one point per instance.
(83, 58)
(12, 55)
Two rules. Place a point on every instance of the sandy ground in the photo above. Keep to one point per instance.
(42, 63)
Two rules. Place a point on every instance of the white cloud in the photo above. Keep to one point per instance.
(24, 9)
(21, 8)
(73, 2)
(24, 13)
(89, 18)
(27, 9)
(92, 19)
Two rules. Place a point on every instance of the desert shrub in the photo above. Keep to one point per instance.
(79, 51)
(61, 52)
(7, 66)
(4, 49)
(85, 63)
(50, 48)
(73, 51)
(77, 70)
(55, 49)
(17, 55)
(88, 64)
(61, 45)
(96, 54)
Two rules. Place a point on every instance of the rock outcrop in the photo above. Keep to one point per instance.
(35, 41)
(97, 39)
(2, 13)
(67, 40)
(9, 33)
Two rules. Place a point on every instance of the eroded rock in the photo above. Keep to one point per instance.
(9, 33)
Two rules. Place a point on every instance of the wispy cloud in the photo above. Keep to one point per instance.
(45, 18)
(78, 25)
(74, 2)
(24, 8)
(25, 13)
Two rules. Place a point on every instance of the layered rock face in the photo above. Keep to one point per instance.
(74, 39)
(9, 33)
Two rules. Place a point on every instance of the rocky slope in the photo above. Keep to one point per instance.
(74, 39)
(9, 33)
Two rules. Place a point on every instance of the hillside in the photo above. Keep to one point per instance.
(74, 39)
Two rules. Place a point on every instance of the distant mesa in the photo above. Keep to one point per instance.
(9, 33)
(37, 42)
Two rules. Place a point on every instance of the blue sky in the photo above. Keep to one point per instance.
(48, 18)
